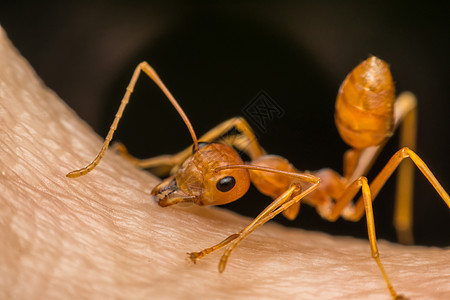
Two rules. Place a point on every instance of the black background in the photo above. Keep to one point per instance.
(215, 58)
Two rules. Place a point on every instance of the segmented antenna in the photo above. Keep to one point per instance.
(154, 76)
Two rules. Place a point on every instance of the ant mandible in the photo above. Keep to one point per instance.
(212, 172)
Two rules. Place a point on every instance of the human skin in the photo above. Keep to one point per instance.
(102, 236)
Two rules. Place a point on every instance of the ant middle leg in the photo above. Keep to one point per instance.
(344, 207)
(356, 213)
(161, 165)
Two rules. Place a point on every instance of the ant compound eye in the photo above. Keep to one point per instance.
(200, 146)
(226, 184)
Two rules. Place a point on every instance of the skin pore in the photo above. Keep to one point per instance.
(102, 236)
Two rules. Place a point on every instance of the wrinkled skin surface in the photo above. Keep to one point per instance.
(102, 236)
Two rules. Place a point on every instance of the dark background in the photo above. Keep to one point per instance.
(215, 58)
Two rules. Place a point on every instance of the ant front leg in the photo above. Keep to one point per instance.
(291, 196)
(194, 256)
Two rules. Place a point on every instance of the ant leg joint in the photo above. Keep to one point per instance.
(142, 64)
(405, 150)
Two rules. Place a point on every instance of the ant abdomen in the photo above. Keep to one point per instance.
(364, 105)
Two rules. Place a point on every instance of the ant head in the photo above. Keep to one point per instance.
(198, 181)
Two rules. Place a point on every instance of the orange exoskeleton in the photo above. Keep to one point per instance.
(212, 172)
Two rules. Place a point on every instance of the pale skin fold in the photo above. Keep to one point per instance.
(102, 236)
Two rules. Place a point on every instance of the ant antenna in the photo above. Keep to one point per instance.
(143, 66)
(154, 76)
(306, 177)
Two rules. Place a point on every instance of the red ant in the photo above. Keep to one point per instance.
(213, 173)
